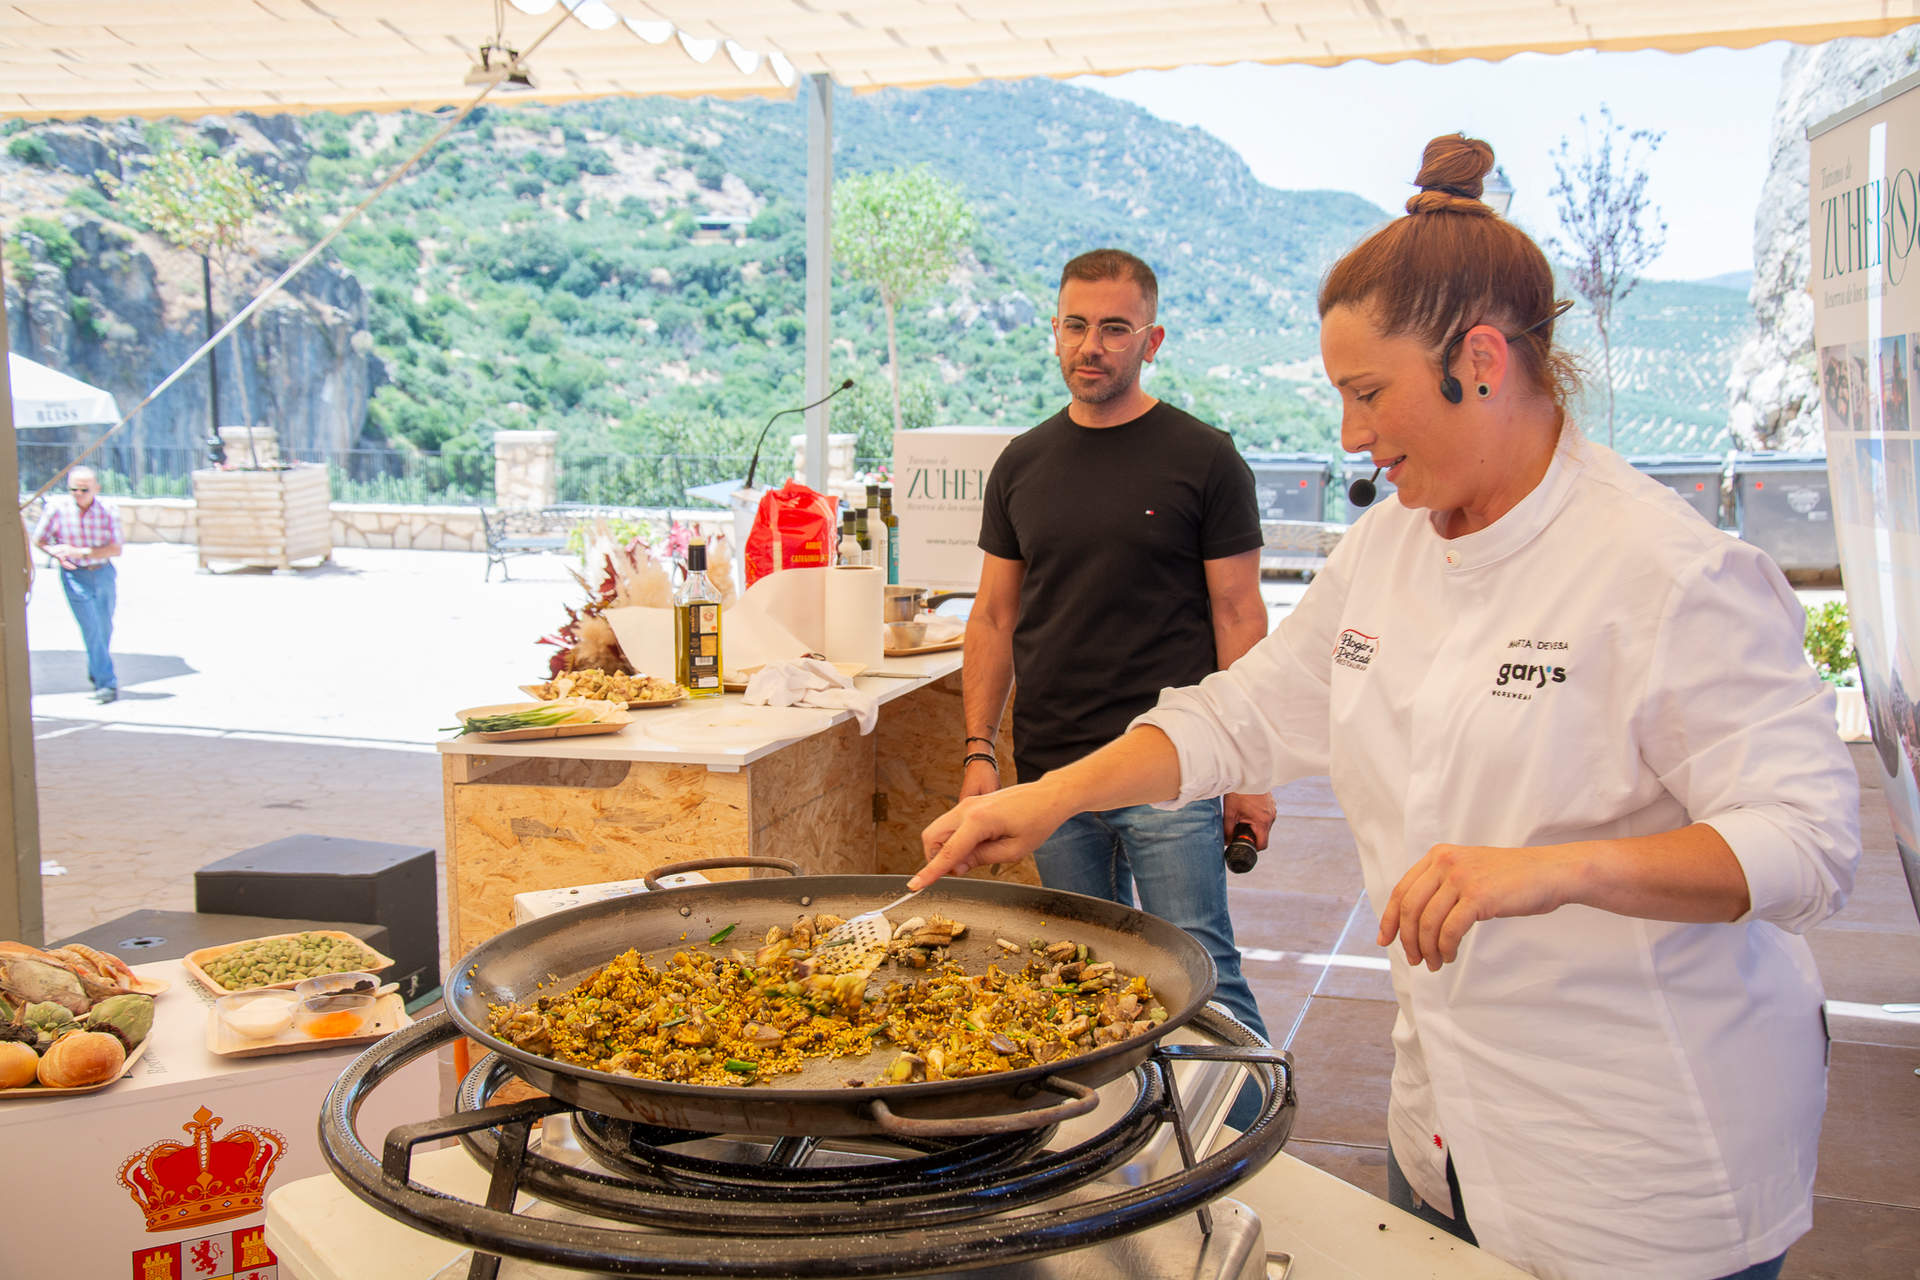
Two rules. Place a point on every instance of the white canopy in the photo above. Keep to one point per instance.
(44, 397)
(108, 58)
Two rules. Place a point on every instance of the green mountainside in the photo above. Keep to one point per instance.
(631, 273)
(559, 255)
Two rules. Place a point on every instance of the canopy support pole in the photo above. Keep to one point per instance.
(20, 912)
(819, 97)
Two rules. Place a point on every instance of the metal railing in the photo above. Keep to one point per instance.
(414, 477)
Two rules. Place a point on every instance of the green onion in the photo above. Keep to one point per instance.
(720, 937)
(674, 1022)
(971, 1024)
(1070, 988)
(531, 718)
(739, 1067)
(837, 942)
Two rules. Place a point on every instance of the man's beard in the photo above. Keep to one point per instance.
(1112, 384)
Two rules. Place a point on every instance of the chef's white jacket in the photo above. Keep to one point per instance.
(1621, 1097)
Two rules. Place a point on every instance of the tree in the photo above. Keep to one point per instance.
(900, 231)
(206, 203)
(1601, 197)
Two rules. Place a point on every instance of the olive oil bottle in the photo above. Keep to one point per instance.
(892, 523)
(696, 627)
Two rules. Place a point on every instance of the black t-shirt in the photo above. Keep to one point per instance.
(1114, 525)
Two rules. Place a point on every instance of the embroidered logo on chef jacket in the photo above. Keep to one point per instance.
(1355, 649)
(1521, 680)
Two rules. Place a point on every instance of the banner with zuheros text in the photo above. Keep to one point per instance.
(1864, 219)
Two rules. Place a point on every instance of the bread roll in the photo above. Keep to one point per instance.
(19, 1064)
(82, 1058)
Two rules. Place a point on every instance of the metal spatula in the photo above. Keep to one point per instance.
(850, 942)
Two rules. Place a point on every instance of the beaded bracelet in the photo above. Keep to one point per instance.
(979, 755)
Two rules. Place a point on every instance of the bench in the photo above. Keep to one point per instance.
(520, 531)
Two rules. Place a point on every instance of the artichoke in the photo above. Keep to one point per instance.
(129, 1017)
(49, 1021)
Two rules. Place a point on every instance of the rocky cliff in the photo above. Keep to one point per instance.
(119, 307)
(1774, 404)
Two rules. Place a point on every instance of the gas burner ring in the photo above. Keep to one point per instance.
(944, 1238)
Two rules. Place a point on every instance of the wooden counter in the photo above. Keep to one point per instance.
(706, 778)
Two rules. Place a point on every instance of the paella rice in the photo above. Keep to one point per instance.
(702, 1018)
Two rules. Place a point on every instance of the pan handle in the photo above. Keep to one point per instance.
(1080, 1100)
(653, 878)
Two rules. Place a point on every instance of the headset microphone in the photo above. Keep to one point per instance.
(1361, 492)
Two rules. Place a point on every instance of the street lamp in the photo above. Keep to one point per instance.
(1496, 192)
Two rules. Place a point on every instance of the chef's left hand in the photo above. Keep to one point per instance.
(1257, 811)
(1456, 886)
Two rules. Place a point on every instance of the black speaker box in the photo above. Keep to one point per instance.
(331, 878)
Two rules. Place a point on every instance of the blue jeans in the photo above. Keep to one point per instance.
(90, 595)
(1400, 1196)
(1175, 859)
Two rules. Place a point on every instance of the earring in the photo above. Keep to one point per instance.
(1483, 390)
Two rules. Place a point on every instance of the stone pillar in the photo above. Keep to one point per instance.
(249, 447)
(839, 469)
(526, 469)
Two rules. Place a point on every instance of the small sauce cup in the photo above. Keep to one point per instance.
(257, 1015)
(341, 1013)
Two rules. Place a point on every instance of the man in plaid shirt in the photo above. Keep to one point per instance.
(83, 535)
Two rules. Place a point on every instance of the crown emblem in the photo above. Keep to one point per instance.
(206, 1180)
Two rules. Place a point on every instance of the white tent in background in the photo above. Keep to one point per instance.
(44, 397)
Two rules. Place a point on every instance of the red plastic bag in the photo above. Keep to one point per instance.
(795, 528)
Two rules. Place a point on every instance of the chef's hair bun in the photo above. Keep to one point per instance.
(1450, 176)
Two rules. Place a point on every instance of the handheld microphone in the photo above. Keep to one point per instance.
(755, 464)
(1241, 853)
(1361, 492)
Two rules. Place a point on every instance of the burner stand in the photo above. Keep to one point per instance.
(978, 1202)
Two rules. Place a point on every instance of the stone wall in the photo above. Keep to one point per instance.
(355, 524)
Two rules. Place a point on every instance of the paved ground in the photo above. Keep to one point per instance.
(256, 705)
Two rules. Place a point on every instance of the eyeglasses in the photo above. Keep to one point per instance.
(79, 488)
(1114, 336)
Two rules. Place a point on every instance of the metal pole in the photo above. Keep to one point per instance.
(20, 913)
(819, 95)
(215, 454)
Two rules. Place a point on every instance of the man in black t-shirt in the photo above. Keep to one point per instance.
(1122, 542)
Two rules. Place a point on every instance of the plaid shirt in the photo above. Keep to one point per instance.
(64, 521)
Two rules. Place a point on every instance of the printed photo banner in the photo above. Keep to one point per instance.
(1864, 220)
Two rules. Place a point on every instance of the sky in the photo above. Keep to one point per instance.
(1360, 127)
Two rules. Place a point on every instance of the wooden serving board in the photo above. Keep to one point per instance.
(542, 731)
(389, 1015)
(940, 647)
(847, 669)
(45, 1091)
(533, 691)
(193, 960)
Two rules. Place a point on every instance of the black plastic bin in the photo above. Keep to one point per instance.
(1783, 506)
(1359, 466)
(1695, 478)
(1291, 486)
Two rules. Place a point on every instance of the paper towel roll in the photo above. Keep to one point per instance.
(854, 598)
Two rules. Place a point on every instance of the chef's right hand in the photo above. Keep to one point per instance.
(1005, 826)
(979, 778)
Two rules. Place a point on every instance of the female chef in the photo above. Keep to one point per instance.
(1595, 784)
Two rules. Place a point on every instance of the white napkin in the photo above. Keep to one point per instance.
(941, 628)
(811, 682)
